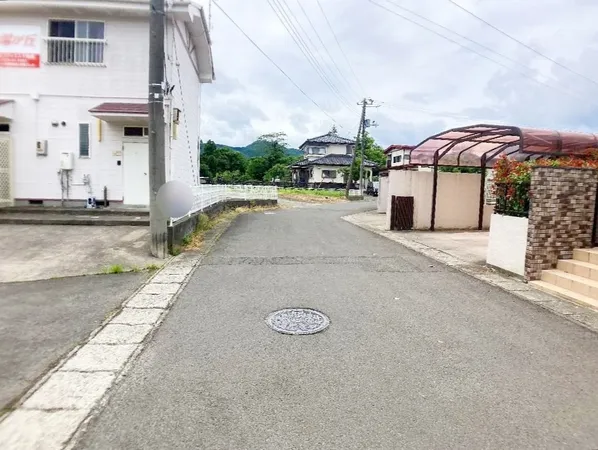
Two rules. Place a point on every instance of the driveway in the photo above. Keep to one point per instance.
(41, 321)
(39, 252)
(417, 355)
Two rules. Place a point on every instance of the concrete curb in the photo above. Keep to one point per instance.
(513, 285)
(55, 412)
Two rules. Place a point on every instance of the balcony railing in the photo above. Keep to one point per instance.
(75, 51)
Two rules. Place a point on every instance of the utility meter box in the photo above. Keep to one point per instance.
(67, 161)
(41, 148)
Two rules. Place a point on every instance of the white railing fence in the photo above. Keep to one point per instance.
(75, 51)
(205, 195)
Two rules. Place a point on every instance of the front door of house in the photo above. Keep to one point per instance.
(5, 172)
(135, 174)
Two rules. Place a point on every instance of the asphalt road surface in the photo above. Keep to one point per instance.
(417, 356)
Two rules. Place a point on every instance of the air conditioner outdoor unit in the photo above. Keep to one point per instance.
(41, 148)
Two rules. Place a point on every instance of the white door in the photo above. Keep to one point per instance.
(135, 173)
(5, 172)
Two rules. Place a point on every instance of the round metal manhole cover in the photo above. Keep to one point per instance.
(298, 321)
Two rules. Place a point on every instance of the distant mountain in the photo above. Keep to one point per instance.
(256, 148)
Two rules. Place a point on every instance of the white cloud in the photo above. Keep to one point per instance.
(408, 68)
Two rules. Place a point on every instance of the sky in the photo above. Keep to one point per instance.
(422, 83)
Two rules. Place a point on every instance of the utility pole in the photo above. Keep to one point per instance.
(363, 104)
(156, 139)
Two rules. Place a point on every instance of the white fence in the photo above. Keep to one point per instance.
(209, 194)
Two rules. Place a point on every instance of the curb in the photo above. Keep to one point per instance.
(579, 315)
(55, 412)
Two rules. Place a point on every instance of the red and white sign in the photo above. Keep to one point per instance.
(19, 46)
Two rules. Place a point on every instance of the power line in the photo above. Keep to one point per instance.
(504, 33)
(433, 113)
(289, 26)
(334, 63)
(523, 74)
(341, 48)
(274, 64)
(466, 38)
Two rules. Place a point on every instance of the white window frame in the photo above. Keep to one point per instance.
(397, 159)
(88, 156)
(75, 41)
(316, 150)
(329, 170)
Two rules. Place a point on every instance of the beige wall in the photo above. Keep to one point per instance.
(457, 202)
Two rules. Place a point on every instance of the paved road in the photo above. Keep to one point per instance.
(417, 355)
(41, 321)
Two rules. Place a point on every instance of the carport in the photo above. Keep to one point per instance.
(479, 146)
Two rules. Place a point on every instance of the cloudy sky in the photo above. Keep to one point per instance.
(423, 82)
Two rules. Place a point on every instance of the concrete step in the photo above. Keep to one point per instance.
(575, 283)
(579, 268)
(71, 219)
(571, 296)
(74, 211)
(588, 255)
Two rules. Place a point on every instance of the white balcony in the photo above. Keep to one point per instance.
(75, 51)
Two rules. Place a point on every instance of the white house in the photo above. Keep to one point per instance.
(73, 98)
(325, 157)
(398, 155)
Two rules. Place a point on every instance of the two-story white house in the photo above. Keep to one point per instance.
(398, 155)
(73, 98)
(325, 159)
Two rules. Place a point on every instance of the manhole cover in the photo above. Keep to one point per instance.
(298, 321)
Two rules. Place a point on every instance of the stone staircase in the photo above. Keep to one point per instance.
(574, 279)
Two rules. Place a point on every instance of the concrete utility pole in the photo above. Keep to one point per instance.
(157, 169)
(359, 132)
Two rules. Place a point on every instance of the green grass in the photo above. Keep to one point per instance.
(152, 267)
(115, 268)
(314, 192)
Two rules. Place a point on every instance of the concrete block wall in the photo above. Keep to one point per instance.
(561, 217)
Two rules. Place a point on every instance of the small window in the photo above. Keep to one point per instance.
(75, 42)
(328, 173)
(316, 150)
(4, 128)
(135, 132)
(406, 158)
(396, 159)
(84, 140)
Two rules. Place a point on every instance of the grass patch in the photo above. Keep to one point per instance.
(152, 267)
(312, 195)
(115, 268)
(194, 241)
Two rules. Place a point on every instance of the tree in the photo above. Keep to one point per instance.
(257, 168)
(216, 160)
(280, 172)
(372, 151)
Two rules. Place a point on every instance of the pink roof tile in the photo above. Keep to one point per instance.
(121, 108)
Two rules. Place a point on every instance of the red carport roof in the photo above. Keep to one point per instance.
(121, 108)
(474, 145)
(3, 101)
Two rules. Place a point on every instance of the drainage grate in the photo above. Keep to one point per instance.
(298, 321)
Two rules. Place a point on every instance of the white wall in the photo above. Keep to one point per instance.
(382, 195)
(507, 243)
(186, 97)
(335, 149)
(56, 93)
(317, 175)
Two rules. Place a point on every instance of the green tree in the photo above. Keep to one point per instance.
(256, 168)
(216, 160)
(372, 151)
(279, 171)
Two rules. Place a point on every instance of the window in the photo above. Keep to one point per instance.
(135, 132)
(75, 42)
(4, 128)
(316, 150)
(396, 159)
(328, 173)
(84, 140)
